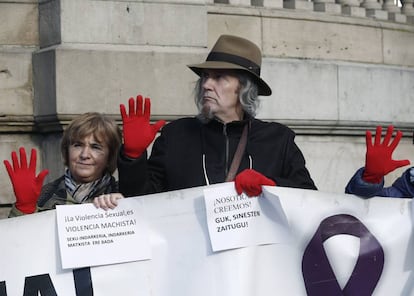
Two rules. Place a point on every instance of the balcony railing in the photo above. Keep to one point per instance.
(401, 11)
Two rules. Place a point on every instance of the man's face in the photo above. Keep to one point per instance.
(220, 96)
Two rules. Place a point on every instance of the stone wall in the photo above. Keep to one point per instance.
(333, 75)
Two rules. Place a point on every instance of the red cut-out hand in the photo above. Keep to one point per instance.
(26, 184)
(138, 132)
(378, 158)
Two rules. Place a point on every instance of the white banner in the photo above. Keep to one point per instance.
(333, 236)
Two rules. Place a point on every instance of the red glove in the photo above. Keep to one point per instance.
(378, 158)
(251, 181)
(138, 132)
(26, 185)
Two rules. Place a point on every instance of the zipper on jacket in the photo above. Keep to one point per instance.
(226, 168)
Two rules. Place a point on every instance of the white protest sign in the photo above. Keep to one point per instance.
(89, 236)
(236, 221)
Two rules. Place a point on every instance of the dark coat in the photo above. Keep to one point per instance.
(402, 186)
(176, 160)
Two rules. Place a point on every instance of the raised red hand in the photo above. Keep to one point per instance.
(137, 130)
(26, 184)
(378, 158)
(251, 181)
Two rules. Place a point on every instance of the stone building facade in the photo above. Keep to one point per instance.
(336, 69)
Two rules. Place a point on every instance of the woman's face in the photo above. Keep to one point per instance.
(88, 159)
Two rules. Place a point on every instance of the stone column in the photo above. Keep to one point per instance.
(18, 39)
(328, 6)
(240, 2)
(394, 12)
(374, 9)
(408, 10)
(273, 3)
(352, 8)
(96, 54)
(298, 4)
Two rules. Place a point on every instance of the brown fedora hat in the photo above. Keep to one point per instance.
(232, 52)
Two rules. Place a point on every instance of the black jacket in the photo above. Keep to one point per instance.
(176, 160)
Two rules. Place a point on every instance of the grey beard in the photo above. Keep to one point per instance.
(205, 114)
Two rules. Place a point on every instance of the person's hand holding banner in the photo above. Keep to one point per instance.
(251, 182)
(26, 184)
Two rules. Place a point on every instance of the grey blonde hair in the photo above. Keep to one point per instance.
(101, 127)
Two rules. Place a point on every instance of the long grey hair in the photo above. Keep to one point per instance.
(248, 95)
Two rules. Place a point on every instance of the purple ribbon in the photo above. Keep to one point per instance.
(317, 272)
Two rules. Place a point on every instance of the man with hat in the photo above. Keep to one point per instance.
(224, 142)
